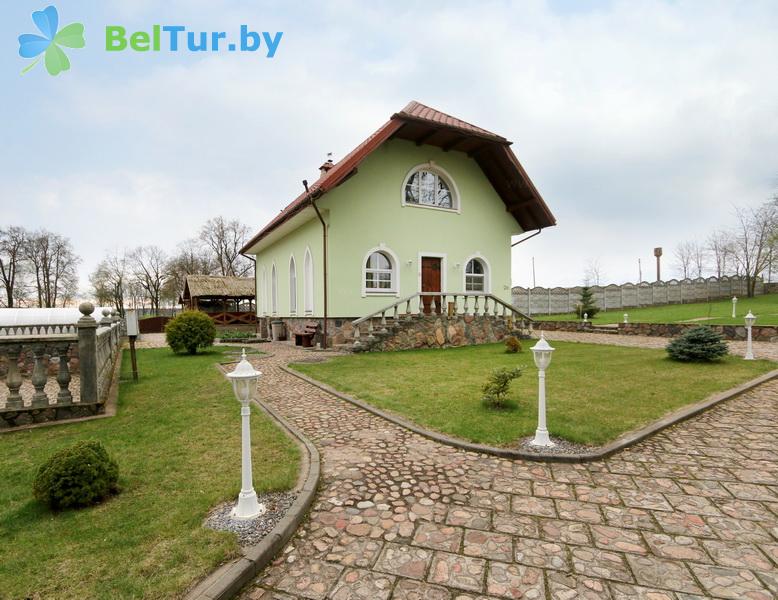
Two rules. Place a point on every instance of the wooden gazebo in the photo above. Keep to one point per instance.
(227, 300)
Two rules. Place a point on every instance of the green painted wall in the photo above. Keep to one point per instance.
(366, 212)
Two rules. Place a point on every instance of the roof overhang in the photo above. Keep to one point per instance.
(423, 125)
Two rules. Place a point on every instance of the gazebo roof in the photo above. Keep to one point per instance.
(216, 286)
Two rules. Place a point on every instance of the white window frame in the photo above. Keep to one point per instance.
(308, 282)
(487, 273)
(394, 290)
(274, 290)
(432, 167)
(292, 286)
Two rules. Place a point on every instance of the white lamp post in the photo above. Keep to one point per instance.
(244, 378)
(749, 346)
(626, 318)
(734, 304)
(586, 318)
(541, 353)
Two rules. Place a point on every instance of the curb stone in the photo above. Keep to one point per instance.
(227, 580)
(623, 441)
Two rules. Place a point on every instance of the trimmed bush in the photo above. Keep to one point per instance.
(496, 387)
(699, 344)
(512, 344)
(79, 475)
(190, 331)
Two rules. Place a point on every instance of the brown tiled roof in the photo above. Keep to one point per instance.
(423, 124)
(217, 285)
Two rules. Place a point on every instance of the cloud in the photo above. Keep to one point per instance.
(641, 123)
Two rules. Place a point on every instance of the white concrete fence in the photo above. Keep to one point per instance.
(559, 300)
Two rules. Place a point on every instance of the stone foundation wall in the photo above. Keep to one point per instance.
(31, 416)
(439, 331)
(562, 326)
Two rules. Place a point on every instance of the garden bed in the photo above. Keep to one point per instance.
(595, 392)
(176, 438)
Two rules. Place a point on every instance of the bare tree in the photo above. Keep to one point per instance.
(190, 259)
(684, 253)
(753, 239)
(12, 258)
(699, 258)
(148, 270)
(593, 273)
(110, 280)
(225, 239)
(720, 249)
(53, 264)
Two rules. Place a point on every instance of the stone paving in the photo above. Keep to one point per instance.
(690, 513)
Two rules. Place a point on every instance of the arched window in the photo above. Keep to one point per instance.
(379, 273)
(264, 291)
(292, 286)
(429, 186)
(308, 282)
(475, 276)
(274, 290)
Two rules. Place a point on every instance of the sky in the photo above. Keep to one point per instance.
(641, 123)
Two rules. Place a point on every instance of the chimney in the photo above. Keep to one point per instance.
(327, 165)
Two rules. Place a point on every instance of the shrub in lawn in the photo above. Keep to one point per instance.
(234, 334)
(586, 305)
(79, 475)
(699, 344)
(190, 331)
(496, 387)
(512, 344)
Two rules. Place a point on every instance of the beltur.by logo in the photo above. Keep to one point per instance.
(175, 38)
(48, 45)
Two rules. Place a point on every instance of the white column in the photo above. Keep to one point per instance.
(248, 507)
(749, 345)
(541, 433)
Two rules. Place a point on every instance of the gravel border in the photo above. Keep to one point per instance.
(251, 531)
(227, 580)
(579, 455)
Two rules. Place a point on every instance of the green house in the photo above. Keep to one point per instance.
(417, 220)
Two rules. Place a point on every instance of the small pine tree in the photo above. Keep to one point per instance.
(699, 344)
(586, 305)
(497, 386)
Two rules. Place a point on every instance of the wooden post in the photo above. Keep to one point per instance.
(133, 358)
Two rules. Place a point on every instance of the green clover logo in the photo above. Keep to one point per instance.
(32, 45)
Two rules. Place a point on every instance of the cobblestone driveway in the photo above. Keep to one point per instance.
(691, 513)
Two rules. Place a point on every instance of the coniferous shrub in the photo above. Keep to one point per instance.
(497, 385)
(512, 344)
(699, 344)
(79, 475)
(190, 331)
(586, 305)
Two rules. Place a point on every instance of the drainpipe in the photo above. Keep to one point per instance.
(324, 245)
(526, 238)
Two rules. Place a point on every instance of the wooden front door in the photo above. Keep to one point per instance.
(430, 282)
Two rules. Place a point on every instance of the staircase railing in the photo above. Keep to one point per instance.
(438, 303)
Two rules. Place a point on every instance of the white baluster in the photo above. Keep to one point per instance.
(383, 321)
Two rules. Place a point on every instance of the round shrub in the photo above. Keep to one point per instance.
(512, 344)
(190, 331)
(699, 344)
(79, 475)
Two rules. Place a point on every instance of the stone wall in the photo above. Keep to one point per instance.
(438, 331)
(759, 333)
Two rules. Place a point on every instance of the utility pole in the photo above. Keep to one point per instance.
(640, 272)
(533, 271)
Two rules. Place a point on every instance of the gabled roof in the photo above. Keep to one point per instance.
(218, 286)
(425, 125)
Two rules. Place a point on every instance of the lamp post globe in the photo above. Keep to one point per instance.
(244, 379)
(541, 354)
(749, 319)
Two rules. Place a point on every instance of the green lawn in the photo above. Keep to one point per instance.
(177, 441)
(718, 312)
(595, 392)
